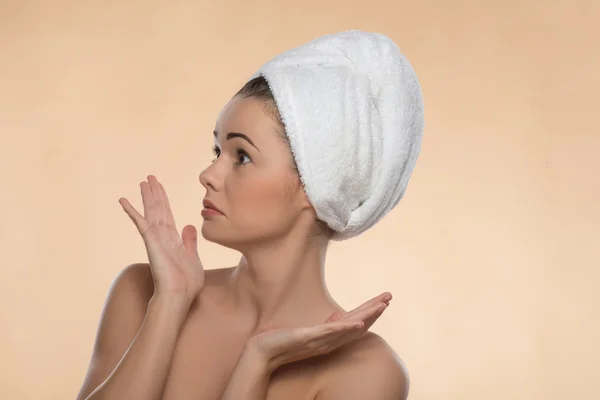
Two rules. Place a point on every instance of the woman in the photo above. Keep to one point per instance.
(268, 327)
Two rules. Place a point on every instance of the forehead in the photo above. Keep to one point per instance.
(246, 116)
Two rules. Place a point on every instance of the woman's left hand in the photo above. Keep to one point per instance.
(281, 346)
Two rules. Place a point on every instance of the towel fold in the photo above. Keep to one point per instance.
(352, 108)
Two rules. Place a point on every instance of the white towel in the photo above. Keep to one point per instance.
(352, 108)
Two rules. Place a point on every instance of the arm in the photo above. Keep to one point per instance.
(269, 350)
(381, 378)
(250, 377)
(136, 337)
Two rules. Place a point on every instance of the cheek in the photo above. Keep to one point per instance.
(260, 207)
(265, 199)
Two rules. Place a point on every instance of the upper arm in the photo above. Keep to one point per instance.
(381, 377)
(122, 315)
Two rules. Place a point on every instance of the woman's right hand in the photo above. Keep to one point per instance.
(175, 263)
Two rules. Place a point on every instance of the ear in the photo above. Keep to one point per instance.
(295, 190)
(301, 193)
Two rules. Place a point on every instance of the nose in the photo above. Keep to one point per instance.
(208, 178)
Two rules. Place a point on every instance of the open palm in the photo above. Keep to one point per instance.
(285, 345)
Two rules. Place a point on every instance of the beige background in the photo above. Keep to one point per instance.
(492, 255)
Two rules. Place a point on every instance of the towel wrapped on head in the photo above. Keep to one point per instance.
(352, 109)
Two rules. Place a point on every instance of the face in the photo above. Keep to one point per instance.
(250, 180)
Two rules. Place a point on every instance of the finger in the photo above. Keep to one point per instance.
(169, 219)
(148, 201)
(344, 339)
(158, 199)
(371, 319)
(189, 236)
(329, 334)
(336, 328)
(357, 333)
(334, 317)
(341, 334)
(384, 297)
(314, 332)
(363, 315)
(135, 216)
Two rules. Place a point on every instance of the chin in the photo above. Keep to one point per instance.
(233, 238)
(210, 233)
(219, 235)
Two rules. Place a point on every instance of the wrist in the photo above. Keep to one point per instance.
(250, 377)
(257, 360)
(172, 303)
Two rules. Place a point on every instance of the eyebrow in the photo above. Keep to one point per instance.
(232, 135)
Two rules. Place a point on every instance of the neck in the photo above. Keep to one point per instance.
(282, 283)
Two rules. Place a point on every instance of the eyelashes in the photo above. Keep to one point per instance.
(240, 153)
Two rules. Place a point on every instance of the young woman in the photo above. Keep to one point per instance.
(266, 328)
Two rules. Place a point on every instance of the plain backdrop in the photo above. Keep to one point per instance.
(492, 255)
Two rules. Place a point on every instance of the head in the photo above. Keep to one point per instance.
(254, 180)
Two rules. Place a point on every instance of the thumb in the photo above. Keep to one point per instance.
(189, 236)
(334, 317)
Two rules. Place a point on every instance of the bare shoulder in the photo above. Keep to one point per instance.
(217, 276)
(120, 319)
(140, 275)
(366, 369)
(137, 283)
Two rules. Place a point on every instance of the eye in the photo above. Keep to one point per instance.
(241, 154)
(216, 151)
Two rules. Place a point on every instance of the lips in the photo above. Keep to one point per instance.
(209, 204)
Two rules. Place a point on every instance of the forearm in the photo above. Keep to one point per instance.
(142, 372)
(250, 378)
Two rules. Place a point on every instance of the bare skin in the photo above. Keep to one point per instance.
(279, 282)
